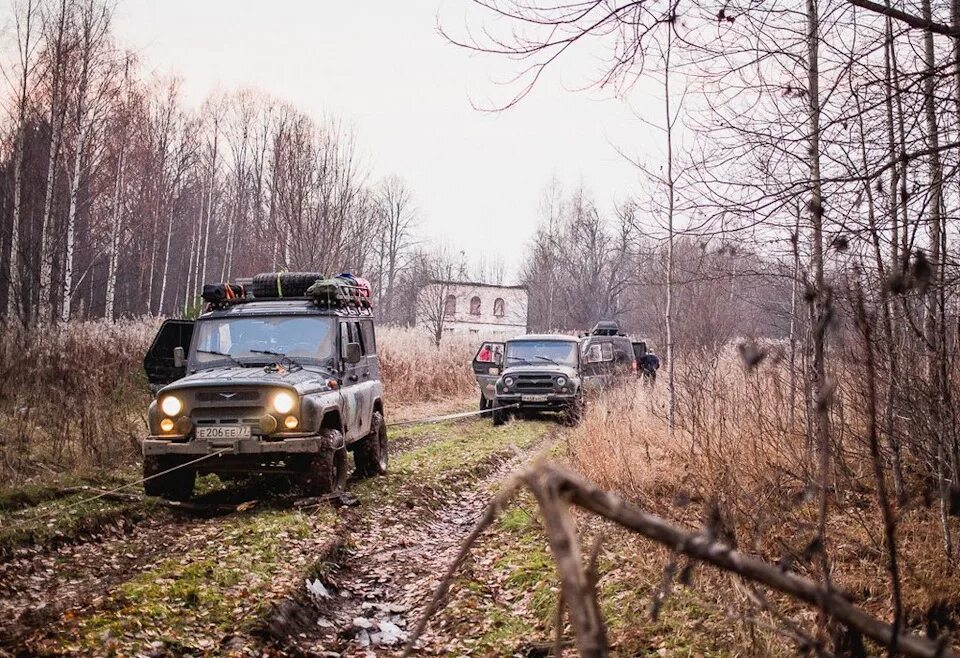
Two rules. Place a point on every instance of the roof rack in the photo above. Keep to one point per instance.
(343, 297)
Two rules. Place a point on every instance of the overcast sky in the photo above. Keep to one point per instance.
(383, 68)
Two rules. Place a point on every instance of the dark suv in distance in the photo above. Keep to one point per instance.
(283, 380)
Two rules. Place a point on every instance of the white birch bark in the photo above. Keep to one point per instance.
(57, 118)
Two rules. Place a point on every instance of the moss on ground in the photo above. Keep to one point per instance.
(455, 452)
(192, 599)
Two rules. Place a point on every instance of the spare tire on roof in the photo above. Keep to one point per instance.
(273, 285)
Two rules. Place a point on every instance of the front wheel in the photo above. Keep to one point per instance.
(573, 414)
(371, 455)
(500, 415)
(161, 481)
(325, 472)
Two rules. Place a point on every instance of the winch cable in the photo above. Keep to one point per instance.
(128, 485)
(441, 419)
(217, 453)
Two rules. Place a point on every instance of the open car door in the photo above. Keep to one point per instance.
(160, 364)
(487, 365)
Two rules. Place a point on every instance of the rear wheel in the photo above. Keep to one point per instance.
(175, 485)
(370, 454)
(325, 472)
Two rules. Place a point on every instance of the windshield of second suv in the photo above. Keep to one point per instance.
(541, 352)
(257, 339)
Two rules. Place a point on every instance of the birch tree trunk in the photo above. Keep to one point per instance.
(668, 312)
(71, 228)
(57, 118)
(115, 222)
(24, 38)
(933, 306)
(166, 254)
(819, 309)
(890, 329)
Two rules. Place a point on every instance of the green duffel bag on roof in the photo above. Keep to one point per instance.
(329, 289)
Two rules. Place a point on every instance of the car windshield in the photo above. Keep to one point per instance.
(259, 339)
(539, 352)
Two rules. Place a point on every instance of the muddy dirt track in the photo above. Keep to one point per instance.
(269, 578)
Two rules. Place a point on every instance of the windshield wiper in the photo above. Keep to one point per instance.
(214, 352)
(519, 358)
(283, 357)
(545, 358)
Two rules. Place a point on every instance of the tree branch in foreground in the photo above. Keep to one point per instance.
(910, 19)
(555, 487)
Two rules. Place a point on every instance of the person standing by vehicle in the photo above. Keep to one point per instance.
(649, 363)
(486, 354)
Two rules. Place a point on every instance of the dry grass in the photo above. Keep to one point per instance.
(737, 463)
(414, 370)
(74, 398)
(71, 397)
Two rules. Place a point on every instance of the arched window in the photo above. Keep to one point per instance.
(475, 306)
(499, 307)
(450, 306)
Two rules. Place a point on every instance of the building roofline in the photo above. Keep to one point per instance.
(476, 284)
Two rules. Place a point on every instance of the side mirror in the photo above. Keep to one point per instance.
(179, 357)
(351, 353)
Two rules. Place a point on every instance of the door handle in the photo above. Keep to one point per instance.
(352, 378)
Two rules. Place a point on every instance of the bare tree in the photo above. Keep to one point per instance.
(433, 275)
(27, 45)
(396, 218)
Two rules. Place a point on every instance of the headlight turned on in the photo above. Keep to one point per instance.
(561, 381)
(283, 402)
(171, 405)
(508, 381)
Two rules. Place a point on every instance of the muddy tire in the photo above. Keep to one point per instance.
(176, 485)
(370, 454)
(500, 416)
(573, 414)
(283, 284)
(325, 472)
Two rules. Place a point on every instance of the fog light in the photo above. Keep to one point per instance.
(184, 425)
(291, 422)
(166, 425)
(268, 424)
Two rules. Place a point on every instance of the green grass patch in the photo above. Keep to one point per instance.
(193, 599)
(19, 497)
(456, 452)
(64, 519)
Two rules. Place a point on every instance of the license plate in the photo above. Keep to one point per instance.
(224, 432)
(533, 398)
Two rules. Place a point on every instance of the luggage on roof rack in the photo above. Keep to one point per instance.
(339, 291)
(606, 328)
(220, 294)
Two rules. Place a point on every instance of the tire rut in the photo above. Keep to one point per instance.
(42, 586)
(395, 559)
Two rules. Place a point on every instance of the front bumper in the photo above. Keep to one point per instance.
(155, 445)
(553, 402)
